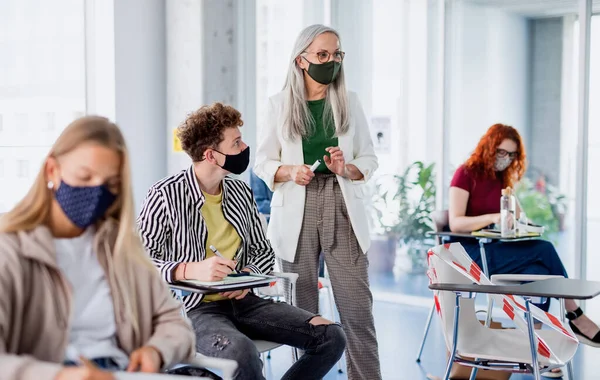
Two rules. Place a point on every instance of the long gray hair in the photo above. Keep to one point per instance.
(298, 121)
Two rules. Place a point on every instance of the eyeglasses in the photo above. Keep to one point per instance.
(504, 153)
(323, 56)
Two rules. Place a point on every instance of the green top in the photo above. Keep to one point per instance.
(313, 146)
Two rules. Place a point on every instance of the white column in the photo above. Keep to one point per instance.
(140, 87)
(316, 12)
(436, 133)
(100, 58)
(353, 19)
(585, 12)
(246, 101)
(184, 71)
(207, 63)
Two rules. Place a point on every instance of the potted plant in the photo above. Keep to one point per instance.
(543, 204)
(402, 209)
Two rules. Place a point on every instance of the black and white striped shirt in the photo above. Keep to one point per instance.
(173, 229)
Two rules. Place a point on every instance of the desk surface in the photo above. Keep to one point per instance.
(551, 288)
(151, 376)
(479, 237)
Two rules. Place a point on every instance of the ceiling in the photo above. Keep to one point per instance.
(537, 8)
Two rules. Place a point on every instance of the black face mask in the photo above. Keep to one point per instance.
(324, 73)
(236, 163)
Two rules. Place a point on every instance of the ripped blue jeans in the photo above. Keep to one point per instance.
(225, 329)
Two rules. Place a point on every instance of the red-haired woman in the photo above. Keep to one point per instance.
(499, 162)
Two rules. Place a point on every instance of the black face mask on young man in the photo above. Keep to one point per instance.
(236, 163)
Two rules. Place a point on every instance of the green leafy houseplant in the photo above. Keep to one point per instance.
(543, 205)
(402, 206)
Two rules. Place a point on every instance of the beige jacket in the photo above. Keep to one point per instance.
(35, 303)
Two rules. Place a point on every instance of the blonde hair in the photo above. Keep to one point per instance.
(298, 121)
(34, 209)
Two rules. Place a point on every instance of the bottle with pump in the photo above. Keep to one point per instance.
(508, 225)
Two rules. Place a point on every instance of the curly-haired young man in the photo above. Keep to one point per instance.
(201, 206)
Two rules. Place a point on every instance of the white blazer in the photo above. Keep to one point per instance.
(287, 205)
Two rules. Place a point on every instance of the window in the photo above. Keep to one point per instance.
(593, 212)
(42, 84)
(278, 23)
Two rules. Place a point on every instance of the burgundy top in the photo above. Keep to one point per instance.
(484, 194)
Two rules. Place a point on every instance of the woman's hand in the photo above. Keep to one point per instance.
(146, 359)
(87, 371)
(335, 162)
(301, 174)
(495, 218)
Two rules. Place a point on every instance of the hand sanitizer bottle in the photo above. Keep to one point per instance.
(507, 214)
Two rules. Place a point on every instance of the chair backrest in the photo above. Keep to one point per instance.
(450, 263)
(441, 222)
(445, 301)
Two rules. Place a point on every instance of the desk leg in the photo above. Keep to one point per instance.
(484, 263)
(454, 338)
(570, 374)
(427, 326)
(532, 342)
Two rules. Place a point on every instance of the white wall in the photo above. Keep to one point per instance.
(489, 78)
(140, 91)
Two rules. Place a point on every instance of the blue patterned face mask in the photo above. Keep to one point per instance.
(84, 205)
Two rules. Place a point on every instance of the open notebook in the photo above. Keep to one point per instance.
(498, 234)
(231, 283)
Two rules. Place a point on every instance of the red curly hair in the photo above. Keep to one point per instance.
(482, 160)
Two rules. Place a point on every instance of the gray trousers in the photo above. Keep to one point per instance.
(326, 227)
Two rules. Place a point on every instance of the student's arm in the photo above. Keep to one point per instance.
(458, 209)
(261, 255)
(173, 336)
(16, 367)
(155, 231)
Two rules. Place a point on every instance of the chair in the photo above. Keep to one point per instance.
(226, 366)
(262, 346)
(511, 350)
(441, 221)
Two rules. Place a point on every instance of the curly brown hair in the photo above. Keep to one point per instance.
(204, 128)
(481, 162)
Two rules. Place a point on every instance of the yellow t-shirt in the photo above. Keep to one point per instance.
(221, 233)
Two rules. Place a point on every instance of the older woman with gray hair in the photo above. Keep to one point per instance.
(315, 152)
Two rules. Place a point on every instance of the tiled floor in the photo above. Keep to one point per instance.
(400, 330)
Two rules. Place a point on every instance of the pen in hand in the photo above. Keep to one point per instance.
(217, 253)
(315, 165)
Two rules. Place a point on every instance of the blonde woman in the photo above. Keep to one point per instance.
(315, 152)
(77, 291)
